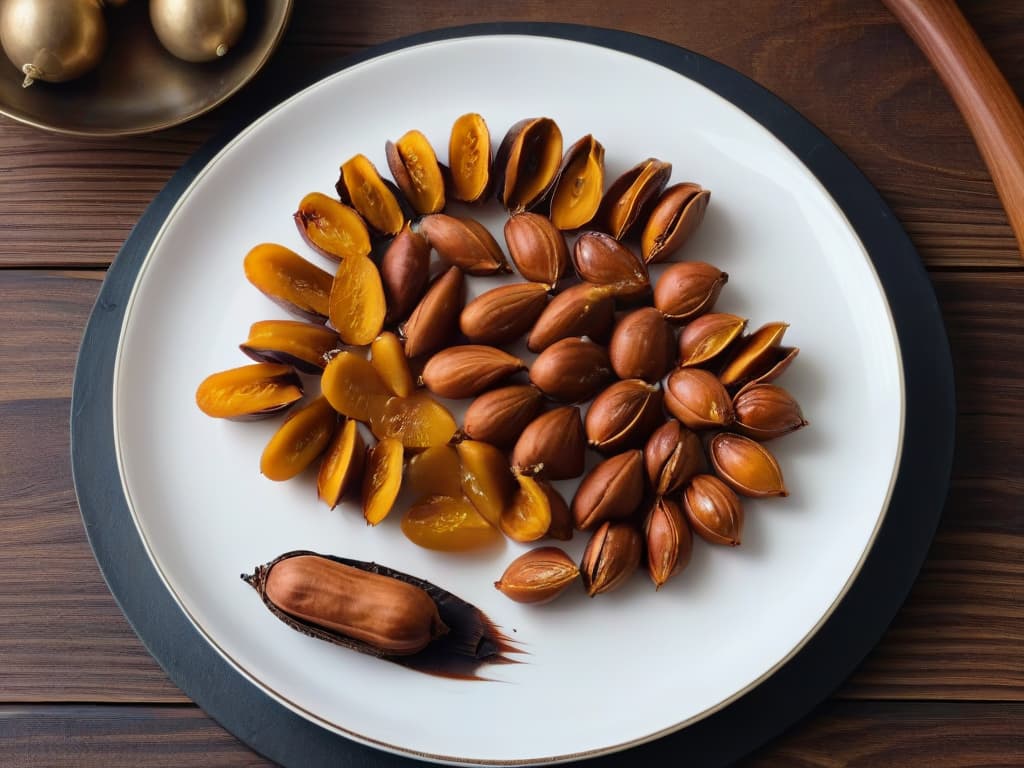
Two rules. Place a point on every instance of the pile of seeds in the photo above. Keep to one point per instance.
(680, 417)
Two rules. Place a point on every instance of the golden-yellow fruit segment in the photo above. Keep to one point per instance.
(299, 440)
(469, 158)
(365, 189)
(358, 305)
(353, 386)
(577, 193)
(434, 472)
(421, 181)
(417, 421)
(486, 479)
(382, 480)
(342, 463)
(249, 392)
(290, 281)
(291, 342)
(528, 517)
(388, 356)
(332, 228)
(448, 524)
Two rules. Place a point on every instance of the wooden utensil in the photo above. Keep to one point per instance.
(992, 111)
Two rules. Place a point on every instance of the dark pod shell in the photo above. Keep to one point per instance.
(527, 163)
(471, 639)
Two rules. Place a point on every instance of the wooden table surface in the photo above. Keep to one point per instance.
(946, 685)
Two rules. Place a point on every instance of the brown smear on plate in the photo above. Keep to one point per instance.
(473, 641)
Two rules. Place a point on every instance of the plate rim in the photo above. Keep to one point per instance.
(110, 527)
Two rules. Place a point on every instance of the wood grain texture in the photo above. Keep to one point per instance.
(845, 64)
(974, 735)
(989, 106)
(945, 687)
(960, 635)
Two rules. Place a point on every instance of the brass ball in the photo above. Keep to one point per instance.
(52, 40)
(198, 30)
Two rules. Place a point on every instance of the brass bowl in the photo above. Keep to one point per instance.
(139, 87)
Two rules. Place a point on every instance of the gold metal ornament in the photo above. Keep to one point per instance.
(52, 40)
(198, 30)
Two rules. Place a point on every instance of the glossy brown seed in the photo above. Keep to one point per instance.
(708, 337)
(499, 417)
(537, 247)
(669, 541)
(698, 399)
(611, 557)
(601, 259)
(415, 169)
(630, 196)
(581, 310)
(362, 187)
(576, 194)
(766, 411)
(538, 576)
(332, 228)
(468, 369)
(345, 602)
(759, 358)
(464, 243)
(672, 455)
(306, 346)
(675, 217)
(747, 466)
(688, 289)
(503, 314)
(469, 158)
(612, 490)
(571, 370)
(623, 415)
(554, 442)
(527, 162)
(290, 281)
(713, 510)
(253, 392)
(642, 345)
(405, 272)
(436, 318)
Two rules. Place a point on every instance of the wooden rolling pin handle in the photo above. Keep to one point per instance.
(989, 106)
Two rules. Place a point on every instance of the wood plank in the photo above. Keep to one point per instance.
(938, 735)
(960, 635)
(844, 64)
(962, 735)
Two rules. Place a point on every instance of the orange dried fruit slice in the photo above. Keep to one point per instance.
(352, 385)
(417, 421)
(486, 479)
(342, 463)
(388, 357)
(448, 524)
(383, 479)
(299, 440)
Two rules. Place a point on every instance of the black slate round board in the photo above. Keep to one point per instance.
(719, 739)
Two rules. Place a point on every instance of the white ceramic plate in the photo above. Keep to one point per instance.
(600, 674)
